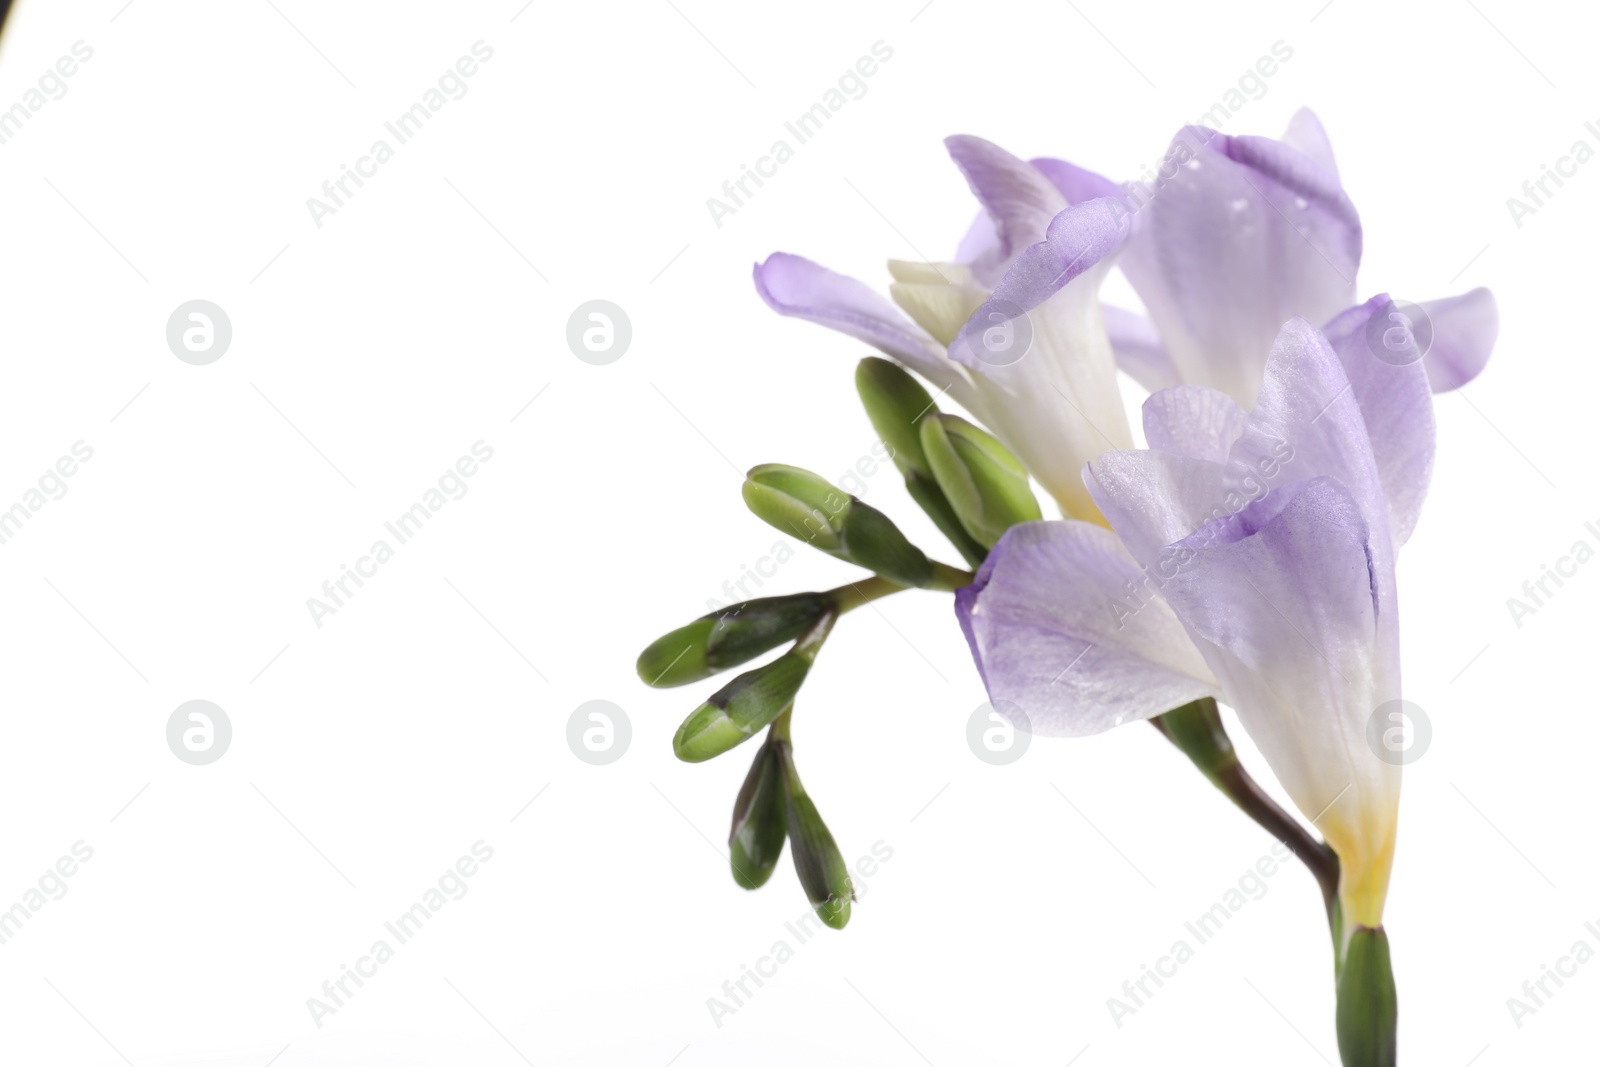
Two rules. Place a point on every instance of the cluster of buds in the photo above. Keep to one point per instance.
(969, 485)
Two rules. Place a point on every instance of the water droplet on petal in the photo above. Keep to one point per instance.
(1193, 164)
(1239, 205)
(1300, 202)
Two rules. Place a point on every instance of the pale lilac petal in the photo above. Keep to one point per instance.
(981, 242)
(1076, 240)
(1076, 183)
(1306, 423)
(1305, 133)
(795, 286)
(1464, 331)
(1302, 630)
(1059, 629)
(1239, 235)
(1193, 421)
(1140, 353)
(1019, 199)
(1153, 499)
(1300, 175)
(1292, 600)
(1049, 392)
(1379, 352)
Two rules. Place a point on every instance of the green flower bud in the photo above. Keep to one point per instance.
(728, 637)
(760, 822)
(985, 484)
(811, 508)
(926, 492)
(820, 865)
(873, 541)
(801, 504)
(1367, 1014)
(895, 401)
(740, 708)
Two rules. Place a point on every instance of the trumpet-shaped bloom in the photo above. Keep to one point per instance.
(1013, 330)
(1235, 235)
(1228, 239)
(1253, 560)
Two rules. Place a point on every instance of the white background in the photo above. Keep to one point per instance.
(368, 354)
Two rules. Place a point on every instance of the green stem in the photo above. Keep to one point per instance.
(1197, 730)
(1367, 1018)
(779, 731)
(848, 598)
(946, 579)
(852, 596)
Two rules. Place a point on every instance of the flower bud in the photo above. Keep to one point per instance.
(801, 504)
(760, 822)
(820, 865)
(740, 708)
(926, 492)
(811, 508)
(985, 484)
(728, 637)
(895, 402)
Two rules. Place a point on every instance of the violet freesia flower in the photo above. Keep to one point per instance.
(1235, 235)
(1253, 562)
(1230, 238)
(1246, 556)
(1013, 329)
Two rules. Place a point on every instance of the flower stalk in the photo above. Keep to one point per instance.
(1197, 731)
(1367, 1016)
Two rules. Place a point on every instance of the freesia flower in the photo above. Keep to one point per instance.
(1013, 329)
(1252, 561)
(1246, 556)
(1228, 239)
(1235, 235)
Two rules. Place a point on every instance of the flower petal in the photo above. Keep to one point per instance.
(1301, 628)
(1390, 386)
(918, 272)
(1056, 632)
(1020, 200)
(1074, 182)
(939, 297)
(1077, 239)
(981, 242)
(1140, 353)
(793, 285)
(1153, 499)
(1464, 331)
(1048, 388)
(1193, 421)
(1305, 133)
(1306, 423)
(1238, 235)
